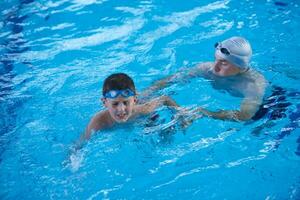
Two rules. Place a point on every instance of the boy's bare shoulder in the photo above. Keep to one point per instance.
(100, 120)
(99, 116)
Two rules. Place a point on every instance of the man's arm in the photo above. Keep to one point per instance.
(150, 106)
(249, 105)
(178, 77)
(247, 111)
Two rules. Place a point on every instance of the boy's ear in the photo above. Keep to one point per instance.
(135, 99)
(104, 100)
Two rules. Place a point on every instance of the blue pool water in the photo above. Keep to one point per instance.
(54, 56)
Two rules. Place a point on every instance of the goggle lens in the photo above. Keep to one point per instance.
(115, 93)
(222, 49)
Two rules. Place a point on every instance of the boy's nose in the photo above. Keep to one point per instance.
(121, 107)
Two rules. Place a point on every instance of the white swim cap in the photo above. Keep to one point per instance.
(236, 50)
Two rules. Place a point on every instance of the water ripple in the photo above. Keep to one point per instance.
(106, 35)
(177, 21)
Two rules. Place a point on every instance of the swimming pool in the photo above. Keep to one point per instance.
(55, 56)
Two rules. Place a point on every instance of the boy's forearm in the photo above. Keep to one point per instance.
(80, 142)
(84, 137)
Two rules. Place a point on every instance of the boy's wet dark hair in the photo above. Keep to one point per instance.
(118, 81)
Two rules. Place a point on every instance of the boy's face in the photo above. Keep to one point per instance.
(120, 108)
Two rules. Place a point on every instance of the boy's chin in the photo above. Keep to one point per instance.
(121, 120)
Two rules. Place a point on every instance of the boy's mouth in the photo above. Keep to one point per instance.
(122, 116)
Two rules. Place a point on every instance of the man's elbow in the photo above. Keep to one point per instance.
(243, 116)
(168, 101)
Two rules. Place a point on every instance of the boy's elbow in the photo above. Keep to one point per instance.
(93, 127)
(87, 134)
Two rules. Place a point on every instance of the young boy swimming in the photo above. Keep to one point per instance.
(120, 101)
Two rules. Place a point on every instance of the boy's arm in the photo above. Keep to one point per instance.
(96, 124)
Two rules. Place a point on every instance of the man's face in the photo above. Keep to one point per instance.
(224, 68)
(120, 108)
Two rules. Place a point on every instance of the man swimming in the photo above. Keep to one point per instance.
(230, 72)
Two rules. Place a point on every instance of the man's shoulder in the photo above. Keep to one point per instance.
(201, 69)
(257, 77)
(258, 82)
(205, 66)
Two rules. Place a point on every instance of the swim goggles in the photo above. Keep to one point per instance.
(114, 93)
(237, 60)
(223, 50)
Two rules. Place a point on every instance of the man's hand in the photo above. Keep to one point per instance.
(186, 116)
